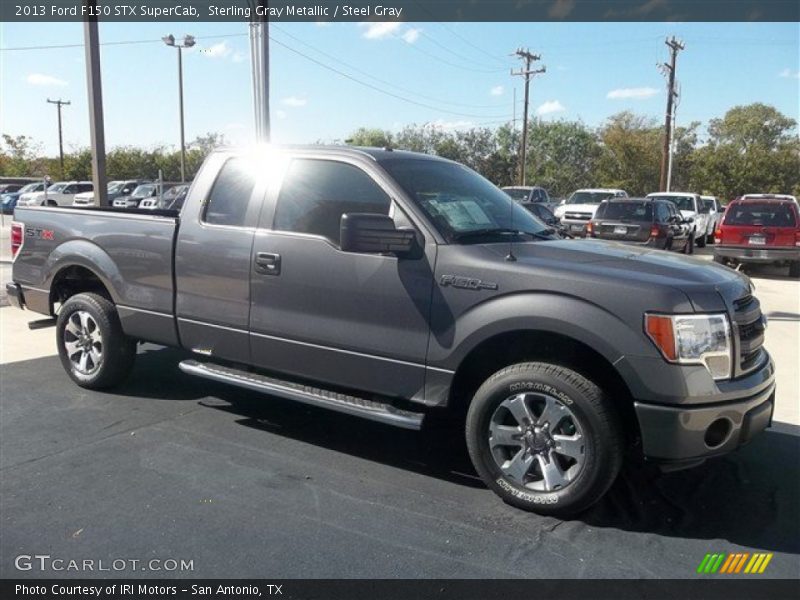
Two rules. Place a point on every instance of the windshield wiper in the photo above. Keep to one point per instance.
(461, 235)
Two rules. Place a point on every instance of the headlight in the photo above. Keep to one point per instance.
(693, 340)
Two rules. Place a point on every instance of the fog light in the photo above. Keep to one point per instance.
(717, 433)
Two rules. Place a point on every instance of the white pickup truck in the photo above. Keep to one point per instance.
(61, 193)
(577, 210)
(691, 207)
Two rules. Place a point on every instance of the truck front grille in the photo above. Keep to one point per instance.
(749, 327)
(578, 216)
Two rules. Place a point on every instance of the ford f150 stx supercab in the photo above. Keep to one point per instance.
(390, 285)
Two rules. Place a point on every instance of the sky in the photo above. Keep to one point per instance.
(453, 75)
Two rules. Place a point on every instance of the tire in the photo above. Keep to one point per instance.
(689, 247)
(794, 269)
(542, 393)
(94, 351)
(710, 239)
(51, 203)
(701, 241)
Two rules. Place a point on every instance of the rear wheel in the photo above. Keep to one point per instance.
(794, 269)
(544, 438)
(701, 241)
(93, 349)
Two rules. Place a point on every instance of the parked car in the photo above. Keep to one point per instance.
(10, 199)
(172, 199)
(643, 222)
(30, 190)
(691, 207)
(389, 285)
(530, 195)
(114, 190)
(10, 188)
(577, 210)
(61, 193)
(714, 218)
(141, 192)
(760, 230)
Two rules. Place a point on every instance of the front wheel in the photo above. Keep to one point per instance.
(94, 350)
(701, 241)
(544, 438)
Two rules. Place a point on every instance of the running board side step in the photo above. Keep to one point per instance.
(351, 405)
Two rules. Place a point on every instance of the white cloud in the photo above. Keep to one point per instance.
(281, 114)
(442, 124)
(497, 90)
(789, 74)
(219, 50)
(39, 79)
(378, 31)
(411, 35)
(550, 107)
(294, 101)
(640, 93)
(561, 8)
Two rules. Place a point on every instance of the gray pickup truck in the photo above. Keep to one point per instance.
(391, 285)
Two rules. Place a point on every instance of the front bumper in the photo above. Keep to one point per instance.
(757, 254)
(14, 294)
(691, 433)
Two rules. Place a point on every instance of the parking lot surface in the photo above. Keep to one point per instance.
(245, 485)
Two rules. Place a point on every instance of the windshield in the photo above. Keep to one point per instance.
(768, 214)
(31, 187)
(589, 197)
(626, 211)
(144, 190)
(115, 186)
(56, 187)
(172, 192)
(458, 200)
(518, 194)
(682, 202)
(708, 203)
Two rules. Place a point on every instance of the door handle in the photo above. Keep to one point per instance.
(268, 263)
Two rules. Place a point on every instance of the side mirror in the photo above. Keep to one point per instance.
(374, 234)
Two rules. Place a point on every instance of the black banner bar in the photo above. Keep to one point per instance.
(721, 588)
(403, 10)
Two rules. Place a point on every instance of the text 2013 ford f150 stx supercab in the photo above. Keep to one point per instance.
(387, 285)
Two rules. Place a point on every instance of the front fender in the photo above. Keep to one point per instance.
(573, 317)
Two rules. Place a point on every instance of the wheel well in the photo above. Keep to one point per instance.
(75, 280)
(522, 346)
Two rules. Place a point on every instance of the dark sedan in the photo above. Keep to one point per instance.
(642, 221)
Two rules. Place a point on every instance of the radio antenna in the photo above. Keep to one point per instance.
(510, 256)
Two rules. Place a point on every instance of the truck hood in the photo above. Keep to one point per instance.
(583, 208)
(702, 281)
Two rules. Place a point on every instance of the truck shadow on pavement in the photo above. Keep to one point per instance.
(749, 498)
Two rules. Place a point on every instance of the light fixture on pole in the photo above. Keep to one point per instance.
(187, 42)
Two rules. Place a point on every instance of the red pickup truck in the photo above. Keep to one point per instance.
(760, 229)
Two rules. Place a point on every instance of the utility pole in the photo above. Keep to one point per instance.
(527, 73)
(675, 46)
(59, 103)
(95, 95)
(259, 63)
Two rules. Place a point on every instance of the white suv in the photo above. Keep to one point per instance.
(691, 207)
(61, 193)
(577, 210)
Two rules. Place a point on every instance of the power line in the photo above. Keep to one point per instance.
(376, 88)
(378, 79)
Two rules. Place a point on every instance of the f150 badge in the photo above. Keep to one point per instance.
(468, 283)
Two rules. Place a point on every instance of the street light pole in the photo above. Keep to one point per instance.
(188, 42)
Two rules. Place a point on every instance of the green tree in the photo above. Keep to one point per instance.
(631, 154)
(364, 136)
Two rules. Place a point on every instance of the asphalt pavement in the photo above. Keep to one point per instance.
(245, 485)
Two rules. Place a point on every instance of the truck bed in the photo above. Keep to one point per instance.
(134, 248)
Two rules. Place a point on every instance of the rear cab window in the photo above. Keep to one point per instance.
(626, 211)
(230, 195)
